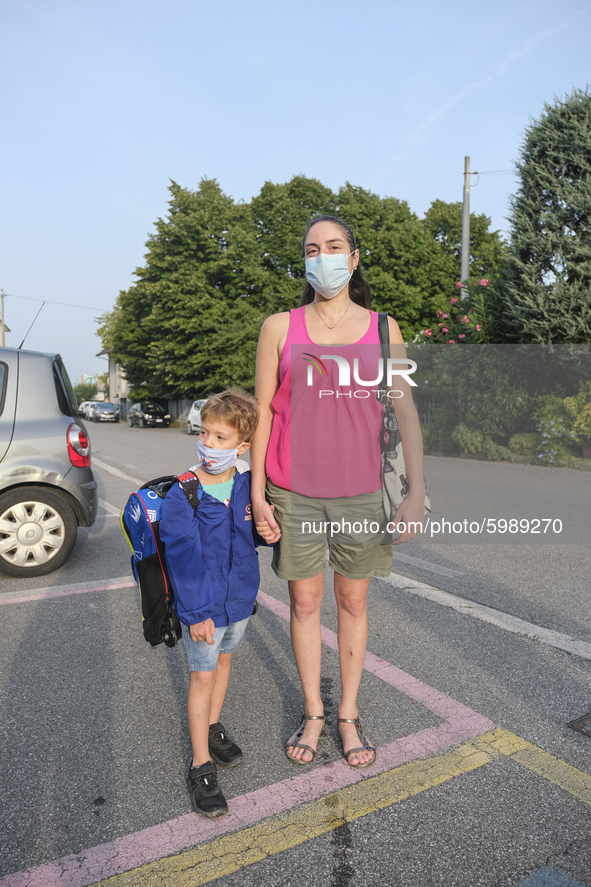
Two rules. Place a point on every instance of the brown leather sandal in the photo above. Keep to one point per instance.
(300, 731)
(367, 746)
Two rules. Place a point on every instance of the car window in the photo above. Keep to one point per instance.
(152, 408)
(136, 406)
(63, 388)
(3, 379)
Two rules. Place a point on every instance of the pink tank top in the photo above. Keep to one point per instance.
(326, 424)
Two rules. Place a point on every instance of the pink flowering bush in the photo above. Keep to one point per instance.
(464, 321)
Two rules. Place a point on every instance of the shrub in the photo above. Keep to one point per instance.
(555, 428)
(579, 411)
(495, 452)
(468, 440)
(525, 444)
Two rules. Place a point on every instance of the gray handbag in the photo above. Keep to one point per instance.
(394, 477)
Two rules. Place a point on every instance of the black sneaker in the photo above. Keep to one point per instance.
(224, 752)
(203, 788)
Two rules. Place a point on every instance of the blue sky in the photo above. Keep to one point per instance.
(104, 102)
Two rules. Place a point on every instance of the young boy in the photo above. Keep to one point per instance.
(213, 567)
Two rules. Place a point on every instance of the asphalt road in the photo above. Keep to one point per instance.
(95, 742)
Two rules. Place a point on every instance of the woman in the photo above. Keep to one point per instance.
(316, 455)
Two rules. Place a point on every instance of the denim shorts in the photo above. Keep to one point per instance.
(202, 656)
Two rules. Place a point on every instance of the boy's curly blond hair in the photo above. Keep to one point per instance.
(236, 408)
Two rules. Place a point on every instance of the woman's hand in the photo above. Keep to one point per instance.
(412, 514)
(266, 525)
(203, 631)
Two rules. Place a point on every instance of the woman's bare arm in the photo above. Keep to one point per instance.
(273, 334)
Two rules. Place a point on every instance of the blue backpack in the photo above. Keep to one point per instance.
(140, 523)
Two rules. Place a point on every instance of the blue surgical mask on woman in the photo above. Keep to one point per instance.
(328, 273)
(215, 461)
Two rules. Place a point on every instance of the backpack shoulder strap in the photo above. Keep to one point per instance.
(190, 485)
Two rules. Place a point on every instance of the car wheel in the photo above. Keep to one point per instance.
(129, 421)
(37, 531)
(189, 428)
(142, 424)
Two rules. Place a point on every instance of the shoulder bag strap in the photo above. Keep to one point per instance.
(384, 334)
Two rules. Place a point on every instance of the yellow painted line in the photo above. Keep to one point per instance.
(573, 781)
(228, 854)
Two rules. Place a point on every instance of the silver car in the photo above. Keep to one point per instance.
(194, 417)
(105, 412)
(47, 489)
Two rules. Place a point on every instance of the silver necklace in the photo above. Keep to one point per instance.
(338, 321)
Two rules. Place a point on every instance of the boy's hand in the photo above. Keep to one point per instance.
(264, 528)
(203, 631)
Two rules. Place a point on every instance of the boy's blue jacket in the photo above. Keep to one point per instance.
(210, 554)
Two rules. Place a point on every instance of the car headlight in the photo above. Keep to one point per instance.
(148, 416)
(167, 416)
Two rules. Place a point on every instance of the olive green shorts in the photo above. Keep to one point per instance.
(353, 528)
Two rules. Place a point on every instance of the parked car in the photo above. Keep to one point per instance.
(148, 413)
(194, 417)
(89, 411)
(47, 488)
(83, 408)
(105, 412)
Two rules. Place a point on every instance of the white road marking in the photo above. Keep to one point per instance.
(426, 565)
(48, 589)
(116, 472)
(492, 616)
(115, 512)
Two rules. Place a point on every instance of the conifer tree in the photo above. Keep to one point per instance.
(547, 291)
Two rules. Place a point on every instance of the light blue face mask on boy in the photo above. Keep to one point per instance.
(215, 461)
(328, 274)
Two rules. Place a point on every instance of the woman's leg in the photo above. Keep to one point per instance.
(306, 599)
(351, 597)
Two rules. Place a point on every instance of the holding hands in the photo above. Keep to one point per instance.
(266, 525)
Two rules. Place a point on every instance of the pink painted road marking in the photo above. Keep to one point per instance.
(46, 595)
(148, 845)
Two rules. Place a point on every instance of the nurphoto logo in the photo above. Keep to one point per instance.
(395, 366)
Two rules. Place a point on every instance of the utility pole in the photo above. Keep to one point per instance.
(3, 333)
(465, 275)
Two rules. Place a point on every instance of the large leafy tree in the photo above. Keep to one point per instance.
(191, 321)
(443, 221)
(547, 293)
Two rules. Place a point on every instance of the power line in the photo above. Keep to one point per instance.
(495, 172)
(49, 302)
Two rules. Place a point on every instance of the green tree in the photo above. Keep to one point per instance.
(190, 323)
(547, 289)
(443, 221)
(84, 391)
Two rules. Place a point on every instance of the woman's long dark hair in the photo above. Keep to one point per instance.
(359, 289)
